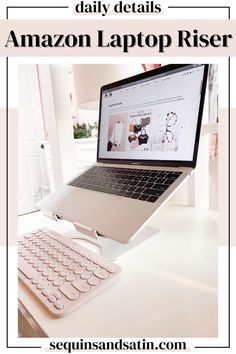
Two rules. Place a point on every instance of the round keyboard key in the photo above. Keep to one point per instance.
(61, 258)
(90, 258)
(54, 264)
(31, 248)
(110, 269)
(31, 261)
(72, 256)
(37, 246)
(56, 255)
(72, 266)
(93, 281)
(37, 264)
(91, 267)
(67, 262)
(101, 273)
(48, 261)
(37, 280)
(59, 268)
(79, 270)
(42, 285)
(42, 268)
(85, 275)
(58, 305)
(28, 257)
(43, 257)
(103, 265)
(71, 277)
(52, 298)
(66, 252)
(97, 261)
(64, 273)
(59, 281)
(46, 272)
(84, 263)
(46, 292)
(52, 276)
(78, 259)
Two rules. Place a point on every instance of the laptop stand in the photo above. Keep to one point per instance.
(112, 249)
(109, 248)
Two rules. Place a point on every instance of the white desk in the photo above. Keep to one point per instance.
(167, 288)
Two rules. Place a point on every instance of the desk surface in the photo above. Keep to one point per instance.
(167, 288)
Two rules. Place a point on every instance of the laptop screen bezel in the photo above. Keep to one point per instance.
(148, 74)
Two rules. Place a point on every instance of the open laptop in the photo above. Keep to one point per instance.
(149, 127)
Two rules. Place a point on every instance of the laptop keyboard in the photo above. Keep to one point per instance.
(141, 184)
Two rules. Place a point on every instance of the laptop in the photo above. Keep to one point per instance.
(149, 128)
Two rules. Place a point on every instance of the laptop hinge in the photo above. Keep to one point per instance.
(50, 214)
(86, 230)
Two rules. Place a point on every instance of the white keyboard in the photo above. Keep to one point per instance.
(60, 273)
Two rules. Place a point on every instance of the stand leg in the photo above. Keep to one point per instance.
(112, 249)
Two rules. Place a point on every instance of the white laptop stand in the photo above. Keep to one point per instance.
(112, 249)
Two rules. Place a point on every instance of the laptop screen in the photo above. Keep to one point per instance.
(153, 117)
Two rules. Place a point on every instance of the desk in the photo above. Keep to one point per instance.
(167, 288)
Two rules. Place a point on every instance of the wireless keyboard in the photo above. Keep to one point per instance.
(60, 273)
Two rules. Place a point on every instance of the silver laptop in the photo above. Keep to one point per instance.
(149, 127)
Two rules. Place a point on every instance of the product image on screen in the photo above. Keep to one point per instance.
(153, 118)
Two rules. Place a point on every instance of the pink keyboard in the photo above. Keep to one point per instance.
(60, 273)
